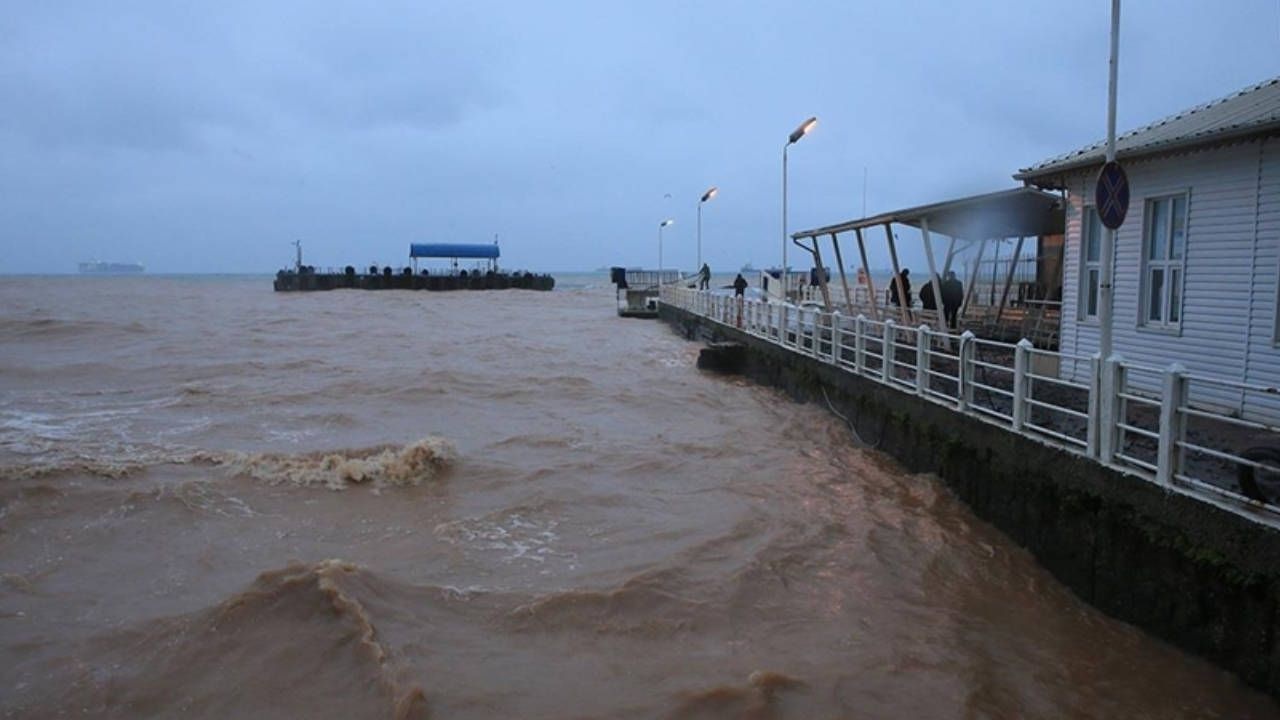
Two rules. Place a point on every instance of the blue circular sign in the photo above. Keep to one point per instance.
(1112, 195)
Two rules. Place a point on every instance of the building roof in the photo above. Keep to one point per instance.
(1252, 111)
(1018, 212)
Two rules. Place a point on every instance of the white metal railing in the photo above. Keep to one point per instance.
(1107, 412)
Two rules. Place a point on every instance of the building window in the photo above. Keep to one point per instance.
(1164, 244)
(1090, 263)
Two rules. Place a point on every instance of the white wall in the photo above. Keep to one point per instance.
(1229, 304)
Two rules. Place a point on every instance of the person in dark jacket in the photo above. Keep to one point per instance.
(927, 300)
(952, 299)
(704, 277)
(906, 288)
(739, 285)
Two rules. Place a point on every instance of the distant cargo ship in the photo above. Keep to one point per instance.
(110, 268)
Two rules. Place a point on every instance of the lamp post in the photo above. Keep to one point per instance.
(1105, 290)
(661, 225)
(796, 134)
(705, 197)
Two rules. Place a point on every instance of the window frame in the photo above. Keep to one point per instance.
(1086, 266)
(1167, 265)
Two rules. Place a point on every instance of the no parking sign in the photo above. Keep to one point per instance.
(1112, 195)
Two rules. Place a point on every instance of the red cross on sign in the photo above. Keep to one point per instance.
(1112, 195)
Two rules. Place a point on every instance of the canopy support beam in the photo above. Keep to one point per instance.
(933, 274)
(951, 253)
(1008, 278)
(821, 271)
(866, 272)
(844, 280)
(973, 278)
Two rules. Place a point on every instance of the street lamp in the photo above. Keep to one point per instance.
(796, 134)
(705, 197)
(661, 225)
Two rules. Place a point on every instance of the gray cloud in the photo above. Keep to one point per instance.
(206, 137)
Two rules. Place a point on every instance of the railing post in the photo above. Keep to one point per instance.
(1092, 436)
(837, 353)
(782, 324)
(922, 360)
(888, 352)
(815, 335)
(859, 344)
(1021, 358)
(964, 373)
(1171, 424)
(1110, 387)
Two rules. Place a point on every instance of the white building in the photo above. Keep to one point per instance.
(1197, 261)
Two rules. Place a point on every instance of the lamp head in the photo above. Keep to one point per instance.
(665, 223)
(803, 130)
(709, 193)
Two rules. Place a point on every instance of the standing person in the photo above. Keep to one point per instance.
(952, 299)
(739, 292)
(927, 301)
(704, 274)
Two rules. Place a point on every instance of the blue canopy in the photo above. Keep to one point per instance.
(453, 250)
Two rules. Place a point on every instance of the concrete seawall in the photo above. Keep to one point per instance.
(1198, 576)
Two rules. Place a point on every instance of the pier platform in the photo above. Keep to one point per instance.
(636, 290)
(306, 280)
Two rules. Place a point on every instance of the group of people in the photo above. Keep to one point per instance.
(704, 281)
(950, 286)
(739, 287)
(952, 295)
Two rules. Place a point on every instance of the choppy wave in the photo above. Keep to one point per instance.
(649, 605)
(377, 466)
(53, 328)
(755, 699)
(301, 632)
(111, 463)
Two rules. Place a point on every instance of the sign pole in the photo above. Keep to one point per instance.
(1109, 234)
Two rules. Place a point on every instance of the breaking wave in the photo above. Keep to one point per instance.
(379, 466)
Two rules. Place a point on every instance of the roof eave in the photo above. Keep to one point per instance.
(1054, 172)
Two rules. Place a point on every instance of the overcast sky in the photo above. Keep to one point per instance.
(205, 137)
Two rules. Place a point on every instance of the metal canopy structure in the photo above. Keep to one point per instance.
(1019, 212)
(454, 250)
